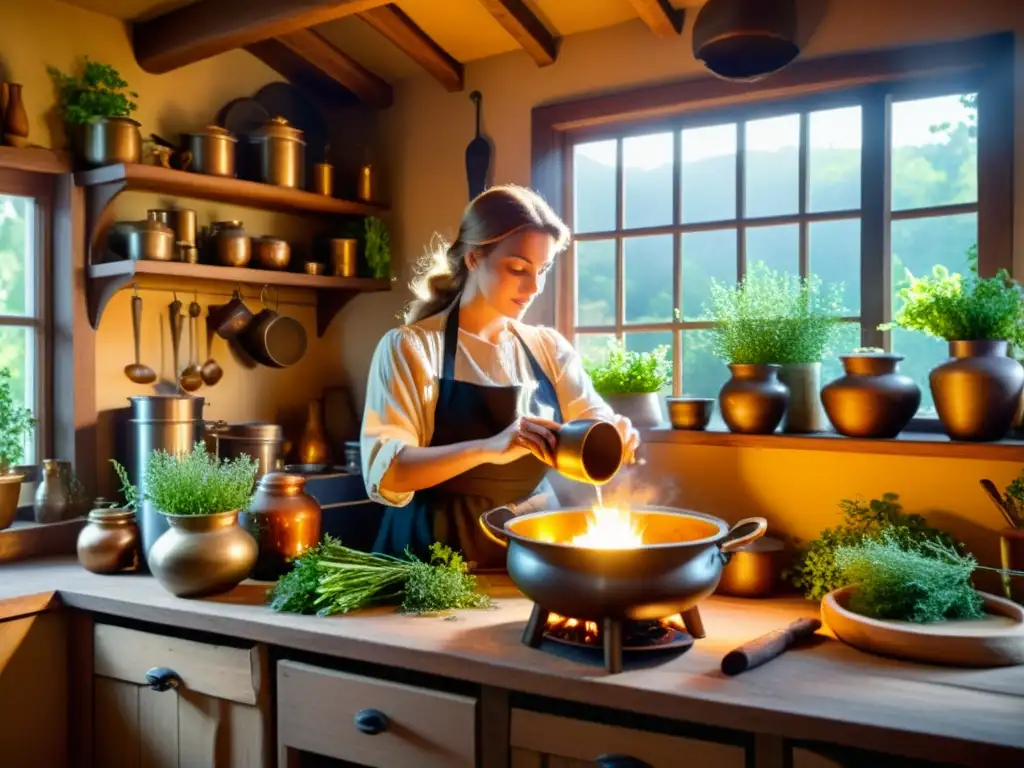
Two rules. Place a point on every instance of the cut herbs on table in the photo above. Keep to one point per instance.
(331, 578)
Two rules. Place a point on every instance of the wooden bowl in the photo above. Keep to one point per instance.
(692, 413)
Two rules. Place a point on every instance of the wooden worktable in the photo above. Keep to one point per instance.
(828, 691)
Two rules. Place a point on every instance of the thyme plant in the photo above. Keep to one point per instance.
(16, 422)
(625, 372)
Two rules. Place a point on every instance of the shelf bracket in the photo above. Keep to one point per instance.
(99, 292)
(98, 198)
(328, 304)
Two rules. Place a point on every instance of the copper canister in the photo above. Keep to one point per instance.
(284, 520)
(323, 179)
(109, 542)
(282, 153)
(366, 186)
(344, 253)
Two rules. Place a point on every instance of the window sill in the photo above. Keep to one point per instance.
(911, 443)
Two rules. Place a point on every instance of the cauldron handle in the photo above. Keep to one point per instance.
(745, 531)
(493, 523)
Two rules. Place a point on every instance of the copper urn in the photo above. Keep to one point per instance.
(110, 541)
(872, 399)
(753, 401)
(284, 520)
(977, 392)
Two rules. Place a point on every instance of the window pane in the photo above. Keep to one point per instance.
(846, 340)
(917, 245)
(647, 178)
(934, 152)
(834, 248)
(706, 255)
(17, 354)
(17, 281)
(833, 162)
(593, 347)
(647, 342)
(778, 247)
(709, 174)
(703, 373)
(594, 186)
(648, 275)
(772, 166)
(595, 282)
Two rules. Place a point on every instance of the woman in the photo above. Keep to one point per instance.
(464, 400)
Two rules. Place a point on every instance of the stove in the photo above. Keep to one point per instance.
(616, 639)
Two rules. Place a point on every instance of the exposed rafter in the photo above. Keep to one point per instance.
(305, 57)
(660, 16)
(528, 30)
(211, 27)
(390, 21)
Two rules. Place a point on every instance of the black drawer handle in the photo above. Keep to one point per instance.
(371, 721)
(162, 679)
(620, 761)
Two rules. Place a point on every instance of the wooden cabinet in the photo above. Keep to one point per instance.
(165, 702)
(541, 740)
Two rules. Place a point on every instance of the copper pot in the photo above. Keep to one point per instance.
(181, 220)
(753, 401)
(977, 392)
(284, 520)
(271, 252)
(588, 451)
(232, 244)
(109, 542)
(871, 400)
(202, 554)
(147, 240)
(109, 140)
(282, 153)
(210, 151)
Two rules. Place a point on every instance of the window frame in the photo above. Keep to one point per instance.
(871, 80)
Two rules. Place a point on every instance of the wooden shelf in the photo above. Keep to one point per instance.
(34, 160)
(152, 178)
(332, 293)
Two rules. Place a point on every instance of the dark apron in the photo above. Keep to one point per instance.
(449, 512)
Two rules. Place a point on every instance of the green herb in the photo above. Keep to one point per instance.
(955, 307)
(815, 571)
(773, 317)
(99, 93)
(16, 423)
(331, 578)
(378, 247)
(194, 483)
(619, 371)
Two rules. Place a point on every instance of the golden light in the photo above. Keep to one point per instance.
(610, 528)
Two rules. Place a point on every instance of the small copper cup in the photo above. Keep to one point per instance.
(323, 179)
(589, 451)
(313, 267)
(343, 257)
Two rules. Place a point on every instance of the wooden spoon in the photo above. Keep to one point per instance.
(137, 372)
(191, 379)
(1008, 512)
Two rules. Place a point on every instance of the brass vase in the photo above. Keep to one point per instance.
(753, 401)
(110, 541)
(312, 447)
(15, 118)
(202, 555)
(284, 520)
(977, 392)
(872, 399)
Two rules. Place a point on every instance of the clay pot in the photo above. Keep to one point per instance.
(202, 555)
(109, 542)
(642, 409)
(285, 522)
(871, 399)
(753, 401)
(804, 414)
(15, 118)
(977, 392)
(10, 490)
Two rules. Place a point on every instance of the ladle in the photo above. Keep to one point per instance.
(137, 372)
(211, 370)
(191, 379)
(174, 315)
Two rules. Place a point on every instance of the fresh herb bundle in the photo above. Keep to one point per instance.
(16, 422)
(101, 92)
(331, 578)
(815, 570)
(378, 247)
(624, 372)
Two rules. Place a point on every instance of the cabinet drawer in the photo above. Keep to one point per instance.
(234, 674)
(317, 711)
(536, 737)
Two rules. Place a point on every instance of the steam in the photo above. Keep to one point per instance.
(637, 485)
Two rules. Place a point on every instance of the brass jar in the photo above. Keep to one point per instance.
(753, 401)
(977, 392)
(210, 151)
(232, 245)
(284, 520)
(109, 542)
(108, 140)
(281, 152)
(872, 399)
(202, 555)
(344, 256)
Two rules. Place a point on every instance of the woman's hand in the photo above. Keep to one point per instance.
(525, 435)
(630, 439)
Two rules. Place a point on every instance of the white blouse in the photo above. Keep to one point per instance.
(402, 387)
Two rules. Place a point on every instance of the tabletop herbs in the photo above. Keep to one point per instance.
(331, 578)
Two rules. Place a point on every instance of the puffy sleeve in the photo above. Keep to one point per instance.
(394, 416)
(576, 394)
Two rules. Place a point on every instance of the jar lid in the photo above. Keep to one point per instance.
(262, 430)
(215, 131)
(111, 515)
(282, 482)
(279, 128)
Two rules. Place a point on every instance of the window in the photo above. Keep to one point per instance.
(856, 185)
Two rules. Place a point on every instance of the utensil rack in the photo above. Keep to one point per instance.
(106, 278)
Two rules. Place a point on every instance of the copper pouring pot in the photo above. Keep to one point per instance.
(677, 566)
(230, 319)
(273, 339)
(589, 451)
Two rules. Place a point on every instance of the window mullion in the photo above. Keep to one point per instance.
(875, 262)
(620, 225)
(741, 240)
(677, 261)
(803, 181)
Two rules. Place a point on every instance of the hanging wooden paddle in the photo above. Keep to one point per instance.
(478, 154)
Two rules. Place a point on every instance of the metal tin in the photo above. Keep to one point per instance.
(210, 151)
(282, 153)
(259, 440)
(344, 256)
(323, 179)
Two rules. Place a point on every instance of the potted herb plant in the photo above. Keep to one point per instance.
(630, 381)
(205, 550)
(978, 391)
(377, 247)
(96, 110)
(16, 422)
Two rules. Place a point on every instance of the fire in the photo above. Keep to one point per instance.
(589, 633)
(610, 528)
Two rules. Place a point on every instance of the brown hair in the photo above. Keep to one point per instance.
(489, 218)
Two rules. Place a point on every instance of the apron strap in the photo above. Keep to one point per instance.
(451, 341)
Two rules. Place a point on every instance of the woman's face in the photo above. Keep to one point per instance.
(511, 275)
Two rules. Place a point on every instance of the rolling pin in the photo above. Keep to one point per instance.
(767, 647)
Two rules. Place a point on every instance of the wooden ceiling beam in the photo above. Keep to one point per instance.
(392, 22)
(660, 16)
(306, 56)
(211, 27)
(528, 30)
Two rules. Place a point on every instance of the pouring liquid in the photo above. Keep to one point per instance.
(597, 490)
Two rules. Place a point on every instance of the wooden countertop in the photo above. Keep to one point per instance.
(827, 692)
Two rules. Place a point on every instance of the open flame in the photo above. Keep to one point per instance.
(610, 528)
(589, 633)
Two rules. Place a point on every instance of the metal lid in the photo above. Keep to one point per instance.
(111, 515)
(213, 131)
(167, 407)
(281, 483)
(278, 128)
(252, 430)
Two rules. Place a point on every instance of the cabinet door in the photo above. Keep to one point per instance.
(547, 741)
(163, 702)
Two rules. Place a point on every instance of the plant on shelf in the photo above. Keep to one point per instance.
(204, 550)
(100, 92)
(630, 381)
(980, 318)
(16, 423)
(378, 247)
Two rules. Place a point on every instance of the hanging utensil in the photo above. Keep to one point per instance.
(478, 154)
(137, 372)
(175, 317)
(211, 370)
(191, 378)
(1005, 506)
